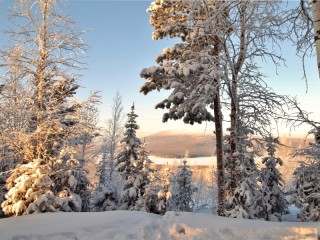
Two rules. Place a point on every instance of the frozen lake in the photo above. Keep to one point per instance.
(198, 161)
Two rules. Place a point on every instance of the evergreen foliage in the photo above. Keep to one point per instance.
(245, 201)
(182, 190)
(104, 197)
(307, 182)
(133, 163)
(274, 202)
(48, 176)
(148, 199)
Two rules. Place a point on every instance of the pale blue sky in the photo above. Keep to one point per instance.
(121, 45)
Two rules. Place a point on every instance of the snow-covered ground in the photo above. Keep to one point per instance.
(139, 225)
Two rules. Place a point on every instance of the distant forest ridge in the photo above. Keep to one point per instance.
(175, 145)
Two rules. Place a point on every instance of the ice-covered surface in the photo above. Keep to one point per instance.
(200, 161)
(139, 225)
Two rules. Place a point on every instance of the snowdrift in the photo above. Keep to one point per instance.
(139, 225)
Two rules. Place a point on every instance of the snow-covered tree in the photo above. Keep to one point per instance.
(148, 193)
(303, 21)
(306, 195)
(107, 193)
(182, 190)
(221, 42)
(212, 189)
(307, 176)
(114, 129)
(46, 46)
(88, 131)
(163, 192)
(200, 193)
(245, 201)
(128, 164)
(307, 181)
(83, 142)
(274, 202)
(192, 68)
(104, 197)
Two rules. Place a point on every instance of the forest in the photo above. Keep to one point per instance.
(55, 156)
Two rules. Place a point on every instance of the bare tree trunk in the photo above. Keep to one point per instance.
(40, 77)
(316, 26)
(233, 133)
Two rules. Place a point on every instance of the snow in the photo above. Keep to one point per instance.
(140, 225)
(197, 161)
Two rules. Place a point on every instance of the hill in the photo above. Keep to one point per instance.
(169, 144)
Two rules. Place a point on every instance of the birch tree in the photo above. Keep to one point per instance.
(316, 28)
(307, 175)
(114, 131)
(304, 29)
(252, 102)
(221, 42)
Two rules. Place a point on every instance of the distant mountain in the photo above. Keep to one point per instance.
(175, 144)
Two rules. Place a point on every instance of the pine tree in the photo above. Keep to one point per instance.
(192, 68)
(274, 202)
(182, 190)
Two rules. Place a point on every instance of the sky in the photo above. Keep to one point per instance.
(119, 36)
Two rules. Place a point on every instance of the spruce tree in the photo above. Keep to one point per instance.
(307, 180)
(182, 190)
(163, 191)
(245, 201)
(274, 202)
(148, 199)
(307, 188)
(128, 163)
(104, 197)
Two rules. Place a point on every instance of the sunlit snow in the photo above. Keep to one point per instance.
(139, 225)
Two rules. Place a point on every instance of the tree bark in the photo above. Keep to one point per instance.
(219, 151)
(219, 135)
(234, 116)
(41, 76)
(316, 26)
(233, 133)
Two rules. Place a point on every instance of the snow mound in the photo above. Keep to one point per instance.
(140, 225)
